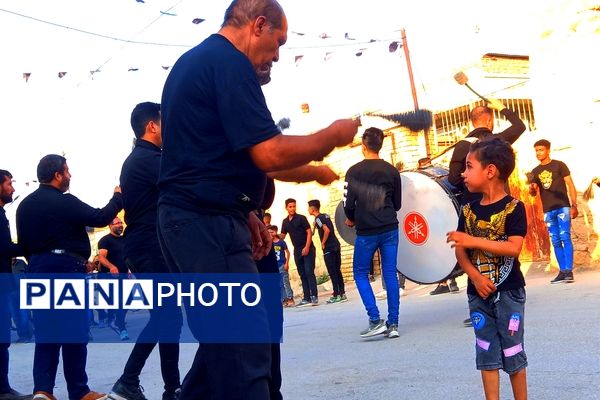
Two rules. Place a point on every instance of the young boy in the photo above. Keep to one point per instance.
(283, 261)
(331, 251)
(488, 242)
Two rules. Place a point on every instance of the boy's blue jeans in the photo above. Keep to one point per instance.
(558, 222)
(286, 288)
(364, 249)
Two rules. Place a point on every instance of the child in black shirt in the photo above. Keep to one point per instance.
(488, 242)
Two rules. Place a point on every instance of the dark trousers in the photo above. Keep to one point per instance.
(4, 341)
(193, 243)
(46, 356)
(163, 328)
(333, 262)
(306, 270)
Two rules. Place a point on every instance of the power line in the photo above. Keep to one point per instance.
(127, 41)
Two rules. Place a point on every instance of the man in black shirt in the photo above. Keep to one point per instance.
(139, 177)
(51, 228)
(331, 251)
(304, 251)
(372, 198)
(112, 258)
(559, 199)
(8, 250)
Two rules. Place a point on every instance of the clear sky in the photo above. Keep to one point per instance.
(88, 119)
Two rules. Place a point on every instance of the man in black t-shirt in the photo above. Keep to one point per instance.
(112, 258)
(372, 198)
(559, 199)
(304, 252)
(331, 251)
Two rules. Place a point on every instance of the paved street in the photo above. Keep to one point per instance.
(324, 358)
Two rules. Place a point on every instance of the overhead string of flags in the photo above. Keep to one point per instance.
(321, 47)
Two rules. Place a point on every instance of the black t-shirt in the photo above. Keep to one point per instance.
(550, 179)
(332, 242)
(213, 110)
(116, 255)
(497, 221)
(373, 195)
(297, 228)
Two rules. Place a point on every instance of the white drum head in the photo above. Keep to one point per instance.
(427, 214)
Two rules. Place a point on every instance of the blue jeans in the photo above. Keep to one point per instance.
(364, 249)
(558, 222)
(286, 288)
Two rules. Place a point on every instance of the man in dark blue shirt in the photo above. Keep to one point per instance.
(139, 177)
(51, 228)
(8, 250)
(219, 142)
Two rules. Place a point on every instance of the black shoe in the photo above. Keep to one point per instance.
(14, 395)
(120, 391)
(468, 323)
(440, 289)
(171, 395)
(560, 278)
(569, 277)
(453, 286)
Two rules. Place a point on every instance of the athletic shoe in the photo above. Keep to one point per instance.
(12, 394)
(124, 335)
(560, 278)
(314, 300)
(452, 286)
(303, 303)
(569, 277)
(440, 289)
(171, 395)
(375, 328)
(120, 391)
(95, 396)
(468, 323)
(381, 295)
(391, 331)
(43, 396)
(343, 298)
(334, 299)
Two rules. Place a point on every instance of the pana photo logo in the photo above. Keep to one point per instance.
(73, 294)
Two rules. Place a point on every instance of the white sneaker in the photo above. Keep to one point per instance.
(381, 295)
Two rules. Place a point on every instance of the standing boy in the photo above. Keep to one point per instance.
(488, 242)
(283, 262)
(553, 178)
(331, 251)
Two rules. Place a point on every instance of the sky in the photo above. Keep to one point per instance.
(86, 116)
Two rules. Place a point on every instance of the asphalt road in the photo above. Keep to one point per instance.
(324, 357)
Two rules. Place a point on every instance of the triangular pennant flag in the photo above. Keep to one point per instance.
(198, 21)
(324, 36)
(133, 69)
(393, 47)
(346, 36)
(360, 52)
(140, 1)
(61, 74)
(298, 33)
(328, 56)
(166, 67)
(26, 76)
(297, 59)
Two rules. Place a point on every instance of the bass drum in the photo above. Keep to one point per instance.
(347, 233)
(430, 207)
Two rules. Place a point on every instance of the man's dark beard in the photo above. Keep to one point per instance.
(6, 198)
(263, 77)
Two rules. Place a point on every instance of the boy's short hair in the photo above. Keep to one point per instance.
(542, 142)
(288, 201)
(495, 151)
(272, 228)
(372, 138)
(267, 215)
(316, 204)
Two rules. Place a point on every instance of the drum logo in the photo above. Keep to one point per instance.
(416, 229)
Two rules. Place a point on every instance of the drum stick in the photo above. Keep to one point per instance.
(462, 79)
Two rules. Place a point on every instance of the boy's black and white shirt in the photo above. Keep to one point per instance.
(372, 196)
(332, 243)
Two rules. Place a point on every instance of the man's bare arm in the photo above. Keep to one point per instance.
(284, 152)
